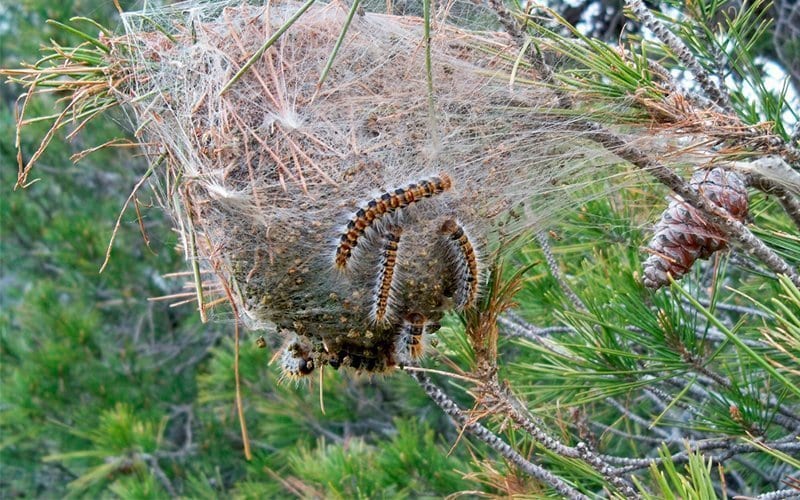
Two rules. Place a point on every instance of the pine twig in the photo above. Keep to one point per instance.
(779, 494)
(773, 175)
(730, 450)
(159, 473)
(789, 202)
(645, 424)
(518, 328)
(639, 438)
(519, 36)
(733, 308)
(784, 417)
(667, 400)
(717, 93)
(506, 18)
(495, 395)
(541, 237)
(479, 431)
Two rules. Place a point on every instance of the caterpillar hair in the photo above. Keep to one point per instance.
(387, 203)
(383, 287)
(409, 346)
(296, 361)
(466, 268)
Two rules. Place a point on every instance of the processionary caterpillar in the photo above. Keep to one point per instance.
(467, 267)
(409, 340)
(387, 203)
(386, 273)
(296, 361)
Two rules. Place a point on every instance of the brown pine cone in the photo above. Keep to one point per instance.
(683, 235)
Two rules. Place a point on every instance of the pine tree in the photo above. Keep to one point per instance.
(568, 377)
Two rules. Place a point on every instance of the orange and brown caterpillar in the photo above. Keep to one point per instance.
(409, 346)
(386, 274)
(387, 203)
(467, 268)
(296, 361)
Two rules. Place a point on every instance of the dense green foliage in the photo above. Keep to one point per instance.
(105, 393)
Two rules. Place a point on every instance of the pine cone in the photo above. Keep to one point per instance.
(683, 235)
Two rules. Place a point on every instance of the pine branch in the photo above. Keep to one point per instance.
(657, 394)
(613, 142)
(772, 175)
(516, 327)
(733, 308)
(717, 93)
(494, 396)
(714, 214)
(789, 201)
(160, 474)
(636, 437)
(730, 450)
(479, 431)
(671, 86)
(645, 424)
(544, 243)
(537, 61)
(780, 494)
(785, 417)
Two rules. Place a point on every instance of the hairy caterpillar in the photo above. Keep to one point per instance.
(408, 346)
(386, 274)
(296, 360)
(387, 203)
(466, 270)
